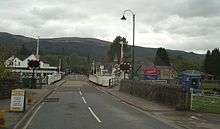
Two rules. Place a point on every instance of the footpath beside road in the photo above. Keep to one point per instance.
(188, 120)
(16, 120)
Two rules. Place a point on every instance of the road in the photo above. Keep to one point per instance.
(77, 105)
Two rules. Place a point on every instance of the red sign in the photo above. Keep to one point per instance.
(151, 71)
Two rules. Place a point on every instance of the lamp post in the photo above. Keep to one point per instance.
(37, 48)
(122, 52)
(124, 18)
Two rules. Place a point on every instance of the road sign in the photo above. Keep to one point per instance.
(151, 71)
(126, 67)
(17, 100)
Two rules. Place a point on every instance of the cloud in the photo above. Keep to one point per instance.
(191, 25)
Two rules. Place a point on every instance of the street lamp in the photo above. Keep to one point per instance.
(122, 51)
(124, 18)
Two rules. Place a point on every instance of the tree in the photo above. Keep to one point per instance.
(212, 62)
(74, 62)
(206, 66)
(88, 64)
(4, 73)
(6, 51)
(182, 64)
(115, 49)
(23, 51)
(161, 58)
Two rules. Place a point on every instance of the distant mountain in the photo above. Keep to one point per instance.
(86, 47)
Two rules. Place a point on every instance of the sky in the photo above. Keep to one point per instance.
(189, 25)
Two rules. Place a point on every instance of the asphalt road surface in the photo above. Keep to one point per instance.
(77, 105)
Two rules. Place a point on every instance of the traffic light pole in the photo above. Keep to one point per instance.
(33, 85)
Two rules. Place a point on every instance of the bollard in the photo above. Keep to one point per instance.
(29, 99)
(191, 98)
(2, 119)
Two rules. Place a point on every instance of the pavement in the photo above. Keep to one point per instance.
(13, 118)
(79, 105)
(188, 120)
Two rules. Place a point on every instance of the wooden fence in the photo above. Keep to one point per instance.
(6, 85)
(164, 93)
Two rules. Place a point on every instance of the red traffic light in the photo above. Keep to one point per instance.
(34, 64)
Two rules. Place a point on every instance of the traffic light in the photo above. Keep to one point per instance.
(126, 67)
(33, 64)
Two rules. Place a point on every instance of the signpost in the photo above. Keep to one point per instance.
(125, 68)
(33, 64)
(17, 100)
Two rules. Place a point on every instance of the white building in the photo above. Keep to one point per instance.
(21, 67)
(49, 73)
(13, 62)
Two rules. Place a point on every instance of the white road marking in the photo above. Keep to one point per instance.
(84, 100)
(80, 92)
(31, 118)
(94, 115)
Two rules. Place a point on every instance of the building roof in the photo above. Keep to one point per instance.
(25, 62)
(31, 57)
(192, 73)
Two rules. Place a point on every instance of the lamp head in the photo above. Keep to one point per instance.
(123, 17)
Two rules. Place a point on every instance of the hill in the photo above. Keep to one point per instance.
(86, 47)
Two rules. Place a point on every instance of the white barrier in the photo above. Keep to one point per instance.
(53, 78)
(100, 80)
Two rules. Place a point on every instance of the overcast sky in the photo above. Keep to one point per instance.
(191, 25)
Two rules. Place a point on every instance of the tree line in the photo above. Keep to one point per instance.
(212, 63)
(77, 63)
(162, 57)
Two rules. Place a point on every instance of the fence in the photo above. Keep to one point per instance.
(100, 80)
(53, 78)
(6, 85)
(77, 77)
(114, 82)
(161, 92)
(212, 81)
(209, 104)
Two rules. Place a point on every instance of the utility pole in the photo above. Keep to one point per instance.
(93, 67)
(37, 49)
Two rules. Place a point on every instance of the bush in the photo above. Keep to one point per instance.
(161, 92)
(4, 73)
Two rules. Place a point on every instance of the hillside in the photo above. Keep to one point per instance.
(85, 47)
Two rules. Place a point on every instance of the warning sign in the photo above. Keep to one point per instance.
(17, 100)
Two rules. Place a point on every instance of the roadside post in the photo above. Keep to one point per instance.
(2, 119)
(18, 103)
(33, 64)
(191, 98)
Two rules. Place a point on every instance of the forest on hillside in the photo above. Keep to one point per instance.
(77, 53)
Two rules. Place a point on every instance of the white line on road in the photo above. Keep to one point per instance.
(31, 118)
(94, 115)
(84, 100)
(80, 92)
